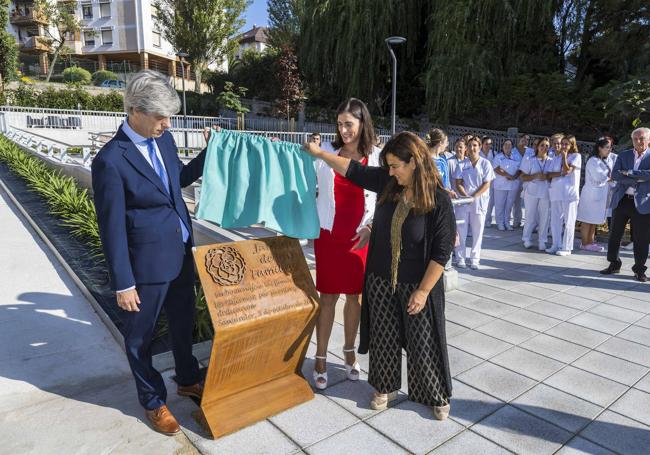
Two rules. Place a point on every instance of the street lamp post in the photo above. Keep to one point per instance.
(181, 56)
(390, 41)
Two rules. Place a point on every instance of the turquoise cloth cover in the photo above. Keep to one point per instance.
(249, 179)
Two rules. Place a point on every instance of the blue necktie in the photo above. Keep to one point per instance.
(160, 170)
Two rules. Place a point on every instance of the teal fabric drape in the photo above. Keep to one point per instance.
(248, 179)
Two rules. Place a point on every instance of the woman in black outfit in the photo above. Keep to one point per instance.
(403, 301)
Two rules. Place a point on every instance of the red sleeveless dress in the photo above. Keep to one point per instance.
(339, 269)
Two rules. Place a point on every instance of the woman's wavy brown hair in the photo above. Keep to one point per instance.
(407, 146)
(359, 110)
(573, 143)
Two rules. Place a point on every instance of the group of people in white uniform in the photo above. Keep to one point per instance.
(545, 176)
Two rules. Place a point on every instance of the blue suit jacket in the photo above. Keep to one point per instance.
(138, 219)
(640, 180)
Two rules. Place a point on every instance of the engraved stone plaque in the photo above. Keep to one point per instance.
(263, 305)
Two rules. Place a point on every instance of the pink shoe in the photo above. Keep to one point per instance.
(593, 247)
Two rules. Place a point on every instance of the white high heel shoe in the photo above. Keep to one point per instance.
(320, 379)
(352, 371)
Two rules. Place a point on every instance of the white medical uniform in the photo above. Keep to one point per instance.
(490, 157)
(592, 207)
(564, 195)
(505, 191)
(536, 200)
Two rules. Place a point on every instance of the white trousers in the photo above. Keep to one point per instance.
(488, 218)
(517, 212)
(475, 222)
(538, 213)
(504, 200)
(563, 213)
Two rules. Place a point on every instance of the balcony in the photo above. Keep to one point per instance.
(35, 44)
(28, 17)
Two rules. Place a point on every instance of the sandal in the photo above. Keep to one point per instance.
(380, 401)
(441, 412)
(353, 370)
(320, 379)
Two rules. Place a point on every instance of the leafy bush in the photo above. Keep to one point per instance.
(103, 75)
(76, 74)
(72, 97)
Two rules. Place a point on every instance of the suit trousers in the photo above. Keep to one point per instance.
(640, 230)
(563, 213)
(177, 299)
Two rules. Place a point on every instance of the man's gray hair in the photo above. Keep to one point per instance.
(150, 93)
(643, 130)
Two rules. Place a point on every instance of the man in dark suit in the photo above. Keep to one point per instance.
(146, 235)
(631, 202)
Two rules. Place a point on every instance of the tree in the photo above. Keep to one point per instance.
(290, 85)
(8, 47)
(229, 98)
(284, 23)
(204, 29)
(63, 23)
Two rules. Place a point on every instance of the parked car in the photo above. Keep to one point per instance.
(111, 83)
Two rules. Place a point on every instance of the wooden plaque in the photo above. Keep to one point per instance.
(263, 305)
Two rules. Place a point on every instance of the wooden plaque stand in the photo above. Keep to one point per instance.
(263, 306)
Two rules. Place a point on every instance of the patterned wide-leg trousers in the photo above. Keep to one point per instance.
(388, 318)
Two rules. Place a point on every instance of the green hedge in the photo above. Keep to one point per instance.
(76, 211)
(76, 74)
(103, 75)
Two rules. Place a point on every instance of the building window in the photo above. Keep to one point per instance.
(89, 38)
(107, 36)
(87, 11)
(105, 9)
(156, 38)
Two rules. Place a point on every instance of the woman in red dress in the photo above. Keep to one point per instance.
(345, 211)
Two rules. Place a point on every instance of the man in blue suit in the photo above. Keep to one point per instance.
(146, 235)
(631, 202)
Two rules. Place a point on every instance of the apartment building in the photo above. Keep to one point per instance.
(118, 35)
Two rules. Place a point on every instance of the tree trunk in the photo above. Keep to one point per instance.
(585, 43)
(198, 72)
(54, 57)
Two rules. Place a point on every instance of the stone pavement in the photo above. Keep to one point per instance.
(547, 357)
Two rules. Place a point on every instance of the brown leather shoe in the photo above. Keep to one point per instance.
(193, 391)
(163, 421)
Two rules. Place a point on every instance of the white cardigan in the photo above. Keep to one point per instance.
(325, 200)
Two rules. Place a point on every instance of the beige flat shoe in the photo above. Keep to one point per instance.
(380, 401)
(441, 412)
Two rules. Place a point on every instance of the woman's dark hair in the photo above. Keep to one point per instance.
(603, 141)
(367, 137)
(542, 140)
(407, 146)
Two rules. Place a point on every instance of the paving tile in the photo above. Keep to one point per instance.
(611, 367)
(585, 385)
(522, 433)
(580, 446)
(452, 329)
(528, 363)
(619, 434)
(507, 331)
(496, 380)
(314, 420)
(644, 322)
(630, 303)
(469, 442)
(557, 286)
(490, 307)
(627, 350)
(469, 405)
(573, 301)
(354, 396)
(481, 289)
(514, 299)
(478, 344)
(414, 427)
(553, 310)
(617, 313)
(460, 361)
(635, 404)
(637, 334)
(639, 292)
(460, 297)
(531, 320)
(578, 334)
(554, 348)
(534, 291)
(644, 384)
(557, 407)
(598, 295)
(361, 437)
(465, 317)
(600, 323)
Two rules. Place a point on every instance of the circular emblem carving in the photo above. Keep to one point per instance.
(225, 265)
